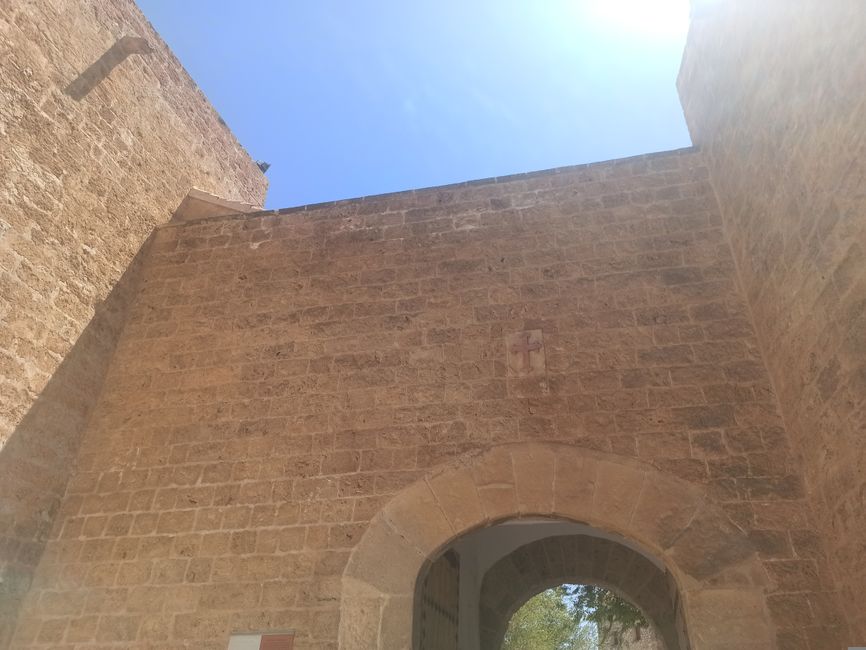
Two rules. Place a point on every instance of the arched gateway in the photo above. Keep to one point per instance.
(581, 559)
(715, 569)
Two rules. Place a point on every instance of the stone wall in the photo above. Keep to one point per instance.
(283, 375)
(89, 164)
(774, 95)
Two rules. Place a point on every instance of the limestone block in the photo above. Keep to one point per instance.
(709, 545)
(534, 473)
(385, 561)
(458, 498)
(664, 509)
(618, 487)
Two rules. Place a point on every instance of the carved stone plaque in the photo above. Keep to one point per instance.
(525, 352)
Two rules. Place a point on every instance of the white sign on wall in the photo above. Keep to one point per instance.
(261, 641)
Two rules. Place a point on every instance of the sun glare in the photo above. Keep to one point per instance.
(656, 19)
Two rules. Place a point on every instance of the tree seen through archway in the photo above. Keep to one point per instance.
(576, 617)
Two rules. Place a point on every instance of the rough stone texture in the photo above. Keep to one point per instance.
(702, 600)
(645, 639)
(82, 184)
(773, 93)
(579, 559)
(283, 376)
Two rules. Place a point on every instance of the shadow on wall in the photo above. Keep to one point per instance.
(37, 459)
(102, 67)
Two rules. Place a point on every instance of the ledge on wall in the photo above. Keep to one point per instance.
(198, 204)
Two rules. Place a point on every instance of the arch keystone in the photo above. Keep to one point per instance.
(494, 479)
(498, 501)
(534, 467)
(617, 490)
(575, 476)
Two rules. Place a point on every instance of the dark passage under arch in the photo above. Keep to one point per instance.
(583, 559)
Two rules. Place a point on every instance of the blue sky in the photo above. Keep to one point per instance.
(348, 99)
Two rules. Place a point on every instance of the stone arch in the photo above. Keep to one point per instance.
(715, 567)
(583, 559)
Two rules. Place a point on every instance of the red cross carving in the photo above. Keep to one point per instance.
(526, 348)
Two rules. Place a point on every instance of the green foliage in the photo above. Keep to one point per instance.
(573, 617)
(546, 622)
(612, 615)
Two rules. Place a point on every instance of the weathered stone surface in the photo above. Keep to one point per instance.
(574, 485)
(88, 170)
(386, 562)
(663, 510)
(533, 475)
(708, 545)
(618, 487)
(525, 352)
(282, 378)
(362, 616)
(778, 111)
(457, 496)
(554, 560)
(417, 516)
(729, 619)
(396, 627)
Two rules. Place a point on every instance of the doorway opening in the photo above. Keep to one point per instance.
(579, 617)
(534, 583)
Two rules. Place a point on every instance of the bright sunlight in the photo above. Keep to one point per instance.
(646, 19)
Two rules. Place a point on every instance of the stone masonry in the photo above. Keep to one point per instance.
(282, 375)
(774, 93)
(82, 184)
(271, 421)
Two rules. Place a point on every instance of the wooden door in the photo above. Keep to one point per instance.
(438, 611)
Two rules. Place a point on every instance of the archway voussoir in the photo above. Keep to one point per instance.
(494, 469)
(498, 501)
(494, 481)
(710, 544)
(729, 618)
(747, 573)
(617, 490)
(458, 498)
(396, 624)
(664, 509)
(574, 484)
(360, 615)
(385, 560)
(534, 468)
(416, 514)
